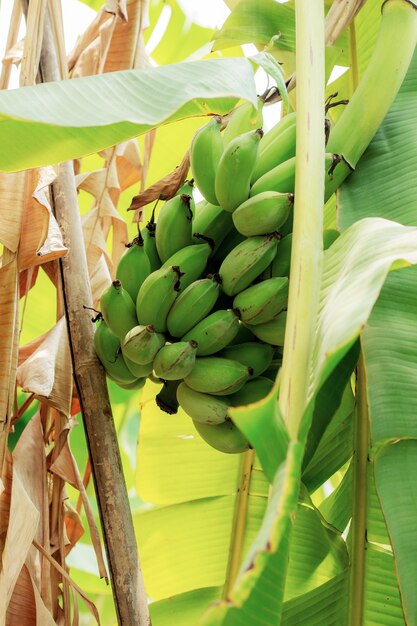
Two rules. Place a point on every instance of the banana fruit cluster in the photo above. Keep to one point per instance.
(199, 301)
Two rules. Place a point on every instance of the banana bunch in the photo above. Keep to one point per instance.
(200, 296)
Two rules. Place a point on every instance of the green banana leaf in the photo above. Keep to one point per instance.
(54, 122)
(384, 185)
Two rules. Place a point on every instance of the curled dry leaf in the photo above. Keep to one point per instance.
(47, 372)
(165, 188)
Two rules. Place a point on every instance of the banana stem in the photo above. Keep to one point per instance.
(360, 491)
(308, 212)
(377, 89)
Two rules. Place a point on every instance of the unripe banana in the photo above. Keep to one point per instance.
(142, 343)
(276, 152)
(329, 236)
(272, 332)
(118, 309)
(276, 131)
(107, 347)
(262, 302)
(249, 259)
(217, 376)
(176, 360)
(244, 335)
(242, 120)
(149, 243)
(203, 407)
(224, 437)
(252, 391)
(192, 305)
(188, 189)
(214, 223)
(156, 296)
(281, 264)
(140, 371)
(134, 266)
(214, 332)
(192, 261)
(235, 170)
(282, 177)
(166, 399)
(137, 384)
(264, 213)
(230, 242)
(205, 152)
(174, 230)
(258, 355)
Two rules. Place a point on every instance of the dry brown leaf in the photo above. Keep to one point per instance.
(27, 280)
(90, 605)
(340, 15)
(89, 35)
(9, 330)
(73, 525)
(12, 35)
(47, 372)
(100, 279)
(22, 606)
(13, 199)
(23, 523)
(94, 239)
(65, 467)
(29, 463)
(41, 239)
(35, 18)
(165, 188)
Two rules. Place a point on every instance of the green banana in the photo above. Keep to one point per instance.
(205, 152)
(229, 243)
(214, 332)
(245, 262)
(235, 169)
(134, 266)
(262, 302)
(244, 335)
(253, 354)
(140, 371)
(142, 343)
(118, 309)
(282, 177)
(252, 391)
(329, 236)
(137, 384)
(280, 266)
(276, 152)
(203, 407)
(192, 261)
(156, 296)
(192, 305)
(166, 399)
(264, 213)
(272, 332)
(187, 188)
(276, 131)
(149, 243)
(174, 230)
(214, 223)
(224, 437)
(176, 360)
(243, 119)
(217, 376)
(107, 347)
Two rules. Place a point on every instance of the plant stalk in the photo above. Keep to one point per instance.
(377, 89)
(308, 213)
(239, 522)
(113, 503)
(360, 495)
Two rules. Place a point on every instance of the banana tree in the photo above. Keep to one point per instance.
(257, 537)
